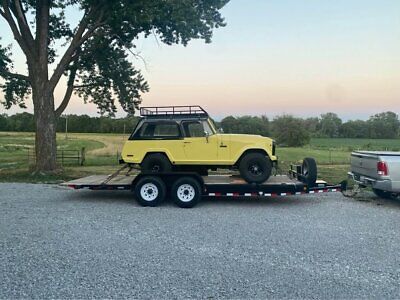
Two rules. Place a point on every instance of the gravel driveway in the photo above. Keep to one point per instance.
(60, 243)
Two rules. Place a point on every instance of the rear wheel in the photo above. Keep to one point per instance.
(156, 163)
(150, 191)
(255, 167)
(186, 192)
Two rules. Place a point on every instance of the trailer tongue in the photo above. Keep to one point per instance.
(187, 188)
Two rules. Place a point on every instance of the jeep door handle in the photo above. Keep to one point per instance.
(187, 142)
(223, 146)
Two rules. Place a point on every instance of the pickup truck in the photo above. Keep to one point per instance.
(377, 169)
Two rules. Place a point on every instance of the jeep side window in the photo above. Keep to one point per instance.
(193, 129)
(207, 128)
(159, 130)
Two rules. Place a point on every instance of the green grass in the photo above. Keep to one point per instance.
(102, 151)
(355, 144)
(15, 147)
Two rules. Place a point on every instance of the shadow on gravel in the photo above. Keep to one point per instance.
(258, 201)
(120, 197)
(371, 199)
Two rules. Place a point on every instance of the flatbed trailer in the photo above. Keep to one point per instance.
(187, 188)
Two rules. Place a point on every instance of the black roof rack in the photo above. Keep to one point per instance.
(160, 111)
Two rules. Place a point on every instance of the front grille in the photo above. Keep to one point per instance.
(273, 148)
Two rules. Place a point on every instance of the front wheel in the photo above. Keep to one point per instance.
(255, 167)
(186, 192)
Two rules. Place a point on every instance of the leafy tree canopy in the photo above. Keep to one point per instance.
(290, 131)
(96, 52)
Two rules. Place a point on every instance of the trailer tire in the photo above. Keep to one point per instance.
(155, 163)
(150, 191)
(309, 171)
(186, 192)
(255, 167)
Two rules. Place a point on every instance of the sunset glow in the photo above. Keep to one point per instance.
(299, 57)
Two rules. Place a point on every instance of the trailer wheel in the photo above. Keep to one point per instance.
(150, 191)
(255, 167)
(309, 171)
(186, 192)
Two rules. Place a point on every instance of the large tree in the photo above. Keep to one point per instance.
(93, 56)
(385, 125)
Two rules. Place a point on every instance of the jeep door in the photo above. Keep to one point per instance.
(200, 143)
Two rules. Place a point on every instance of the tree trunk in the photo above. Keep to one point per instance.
(45, 140)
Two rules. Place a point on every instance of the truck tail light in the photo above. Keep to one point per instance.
(382, 168)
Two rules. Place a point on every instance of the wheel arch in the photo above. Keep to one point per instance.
(251, 150)
(162, 152)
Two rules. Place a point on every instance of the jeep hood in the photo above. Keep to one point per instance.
(243, 138)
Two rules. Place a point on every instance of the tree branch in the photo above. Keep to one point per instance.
(22, 22)
(79, 38)
(68, 92)
(42, 31)
(14, 75)
(6, 14)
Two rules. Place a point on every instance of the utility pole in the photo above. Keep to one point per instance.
(66, 126)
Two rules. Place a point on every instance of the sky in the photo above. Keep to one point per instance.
(300, 57)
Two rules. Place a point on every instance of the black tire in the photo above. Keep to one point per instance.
(186, 192)
(255, 167)
(156, 163)
(309, 171)
(150, 191)
(384, 194)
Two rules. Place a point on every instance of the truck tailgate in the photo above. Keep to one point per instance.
(364, 164)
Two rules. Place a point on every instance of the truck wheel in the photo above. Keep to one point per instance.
(186, 192)
(384, 194)
(309, 171)
(156, 163)
(255, 167)
(150, 191)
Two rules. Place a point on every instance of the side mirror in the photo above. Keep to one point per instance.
(206, 134)
(220, 130)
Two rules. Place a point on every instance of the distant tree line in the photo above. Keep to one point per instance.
(292, 131)
(83, 123)
(286, 129)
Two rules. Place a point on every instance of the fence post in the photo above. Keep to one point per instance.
(83, 156)
(62, 157)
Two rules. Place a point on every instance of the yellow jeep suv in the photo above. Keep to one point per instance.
(184, 138)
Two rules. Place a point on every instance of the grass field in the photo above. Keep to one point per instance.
(102, 153)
